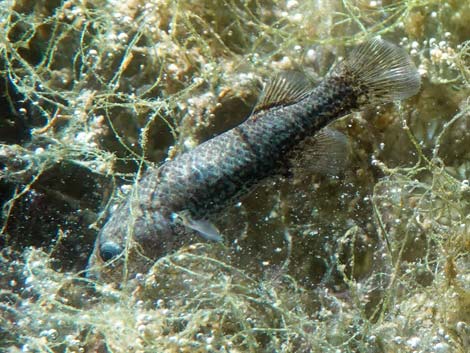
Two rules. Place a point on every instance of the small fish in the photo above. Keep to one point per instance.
(175, 200)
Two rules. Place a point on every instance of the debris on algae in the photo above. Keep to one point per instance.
(373, 260)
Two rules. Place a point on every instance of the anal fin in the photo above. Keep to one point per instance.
(325, 153)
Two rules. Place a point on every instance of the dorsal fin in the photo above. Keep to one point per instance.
(287, 87)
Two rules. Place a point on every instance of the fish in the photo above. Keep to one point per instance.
(173, 201)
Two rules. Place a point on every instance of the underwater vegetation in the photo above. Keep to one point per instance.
(372, 259)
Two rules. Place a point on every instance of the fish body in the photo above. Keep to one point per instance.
(175, 199)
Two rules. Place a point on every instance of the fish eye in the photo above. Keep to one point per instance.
(109, 251)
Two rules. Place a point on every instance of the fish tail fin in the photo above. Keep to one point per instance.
(381, 72)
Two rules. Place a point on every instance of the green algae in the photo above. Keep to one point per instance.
(374, 260)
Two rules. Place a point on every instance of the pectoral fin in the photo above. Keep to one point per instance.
(205, 228)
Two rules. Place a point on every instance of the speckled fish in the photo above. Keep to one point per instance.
(176, 199)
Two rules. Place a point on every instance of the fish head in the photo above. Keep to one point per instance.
(129, 243)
